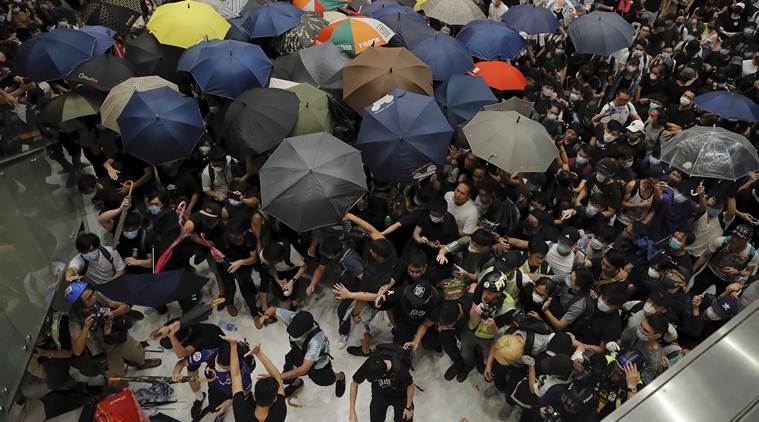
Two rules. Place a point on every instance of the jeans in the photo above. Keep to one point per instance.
(473, 347)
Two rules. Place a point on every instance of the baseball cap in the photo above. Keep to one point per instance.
(418, 293)
(636, 126)
(608, 167)
(301, 323)
(509, 261)
(559, 365)
(569, 236)
(211, 210)
(561, 343)
(723, 308)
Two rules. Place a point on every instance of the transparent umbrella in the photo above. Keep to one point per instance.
(711, 152)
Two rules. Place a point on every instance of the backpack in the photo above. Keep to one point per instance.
(633, 310)
(452, 289)
(86, 266)
(297, 354)
(529, 323)
(398, 355)
(235, 166)
(582, 324)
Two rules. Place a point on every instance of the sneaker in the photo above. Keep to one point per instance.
(464, 371)
(340, 386)
(292, 388)
(197, 407)
(357, 351)
(232, 309)
(451, 372)
(150, 363)
(136, 315)
(342, 341)
(491, 392)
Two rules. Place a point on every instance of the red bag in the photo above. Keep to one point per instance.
(624, 6)
(120, 407)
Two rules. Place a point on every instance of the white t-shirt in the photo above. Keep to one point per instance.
(221, 178)
(495, 13)
(561, 265)
(748, 67)
(618, 113)
(101, 270)
(705, 229)
(466, 215)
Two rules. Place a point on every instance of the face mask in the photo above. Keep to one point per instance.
(575, 97)
(436, 220)
(154, 209)
(581, 161)
(675, 244)
(234, 202)
(131, 235)
(44, 6)
(653, 161)
(632, 69)
(551, 116)
(563, 249)
(668, 283)
(2, 18)
(684, 101)
(204, 149)
(472, 249)
(559, 51)
(713, 212)
(16, 9)
(649, 309)
(748, 32)
(547, 92)
(642, 336)
(538, 298)
(666, 54)
(653, 76)
(652, 272)
(608, 137)
(90, 256)
(600, 178)
(217, 169)
(710, 315)
(591, 211)
(602, 306)
(679, 198)
(629, 164)
(596, 244)
(653, 106)
(639, 53)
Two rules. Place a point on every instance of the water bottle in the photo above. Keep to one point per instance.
(226, 326)
(388, 221)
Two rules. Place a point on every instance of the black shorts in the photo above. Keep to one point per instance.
(323, 376)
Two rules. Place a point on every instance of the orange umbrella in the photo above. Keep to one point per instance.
(500, 75)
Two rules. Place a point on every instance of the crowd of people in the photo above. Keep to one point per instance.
(569, 290)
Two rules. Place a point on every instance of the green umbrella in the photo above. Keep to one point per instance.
(313, 110)
(303, 35)
(78, 102)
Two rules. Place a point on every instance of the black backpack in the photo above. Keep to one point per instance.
(583, 323)
(397, 354)
(86, 266)
(297, 354)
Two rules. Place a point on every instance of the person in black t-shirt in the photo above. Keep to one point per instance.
(414, 308)
(392, 385)
(181, 184)
(267, 403)
(240, 256)
(208, 231)
(134, 243)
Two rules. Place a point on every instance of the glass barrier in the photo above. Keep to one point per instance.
(39, 217)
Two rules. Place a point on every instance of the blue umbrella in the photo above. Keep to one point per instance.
(103, 37)
(53, 55)
(531, 19)
(491, 40)
(728, 105)
(272, 20)
(462, 97)
(378, 10)
(160, 125)
(445, 55)
(227, 68)
(190, 56)
(409, 30)
(237, 30)
(402, 133)
(153, 290)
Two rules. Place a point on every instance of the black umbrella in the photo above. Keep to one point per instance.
(409, 30)
(101, 72)
(149, 57)
(320, 65)
(118, 15)
(153, 290)
(259, 119)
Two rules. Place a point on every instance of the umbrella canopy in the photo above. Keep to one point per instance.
(333, 15)
(237, 31)
(523, 107)
(53, 55)
(453, 12)
(259, 119)
(353, 35)
(226, 68)
(160, 125)
(510, 141)
(310, 181)
(320, 5)
(313, 111)
(118, 15)
(153, 290)
(462, 97)
(491, 40)
(600, 33)
(149, 57)
(401, 133)
(377, 71)
(119, 95)
(303, 35)
(409, 30)
(272, 19)
(531, 19)
(500, 75)
(227, 8)
(445, 55)
(320, 65)
(379, 9)
(728, 105)
(72, 104)
(186, 23)
(103, 37)
(101, 72)
(252, 5)
(711, 152)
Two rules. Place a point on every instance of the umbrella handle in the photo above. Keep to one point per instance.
(128, 184)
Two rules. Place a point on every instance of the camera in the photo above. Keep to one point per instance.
(98, 314)
(489, 310)
(551, 415)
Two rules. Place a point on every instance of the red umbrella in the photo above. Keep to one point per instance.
(500, 75)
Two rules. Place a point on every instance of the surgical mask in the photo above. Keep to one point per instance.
(668, 283)
(608, 137)
(591, 211)
(217, 169)
(154, 209)
(675, 244)
(748, 32)
(710, 315)
(581, 161)
(666, 54)
(472, 249)
(562, 248)
(685, 101)
(90, 256)
(204, 149)
(649, 309)
(131, 235)
(596, 244)
(234, 202)
(538, 298)
(653, 106)
(679, 198)
(551, 116)
(575, 97)
(436, 220)
(547, 92)
(603, 307)
(653, 161)
(632, 68)
(600, 178)
(641, 335)
(652, 76)
(652, 272)
(16, 9)
(639, 53)
(713, 212)
(629, 164)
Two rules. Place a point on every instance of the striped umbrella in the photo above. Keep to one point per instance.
(227, 8)
(320, 5)
(118, 15)
(303, 35)
(355, 34)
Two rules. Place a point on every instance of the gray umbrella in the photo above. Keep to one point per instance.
(711, 152)
(320, 65)
(311, 181)
(523, 107)
(600, 33)
(511, 141)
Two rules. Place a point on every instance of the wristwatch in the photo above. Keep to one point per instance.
(632, 389)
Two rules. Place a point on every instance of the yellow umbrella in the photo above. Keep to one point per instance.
(418, 5)
(186, 23)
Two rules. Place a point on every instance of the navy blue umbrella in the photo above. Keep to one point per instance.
(378, 10)
(491, 40)
(103, 37)
(160, 125)
(445, 55)
(272, 19)
(190, 56)
(531, 19)
(237, 30)
(227, 68)
(409, 30)
(728, 105)
(402, 133)
(462, 97)
(53, 55)
(153, 290)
